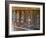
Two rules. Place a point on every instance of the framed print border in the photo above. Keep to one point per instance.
(7, 17)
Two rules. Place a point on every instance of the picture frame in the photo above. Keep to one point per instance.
(21, 5)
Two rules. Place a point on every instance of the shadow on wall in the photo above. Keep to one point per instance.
(13, 37)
